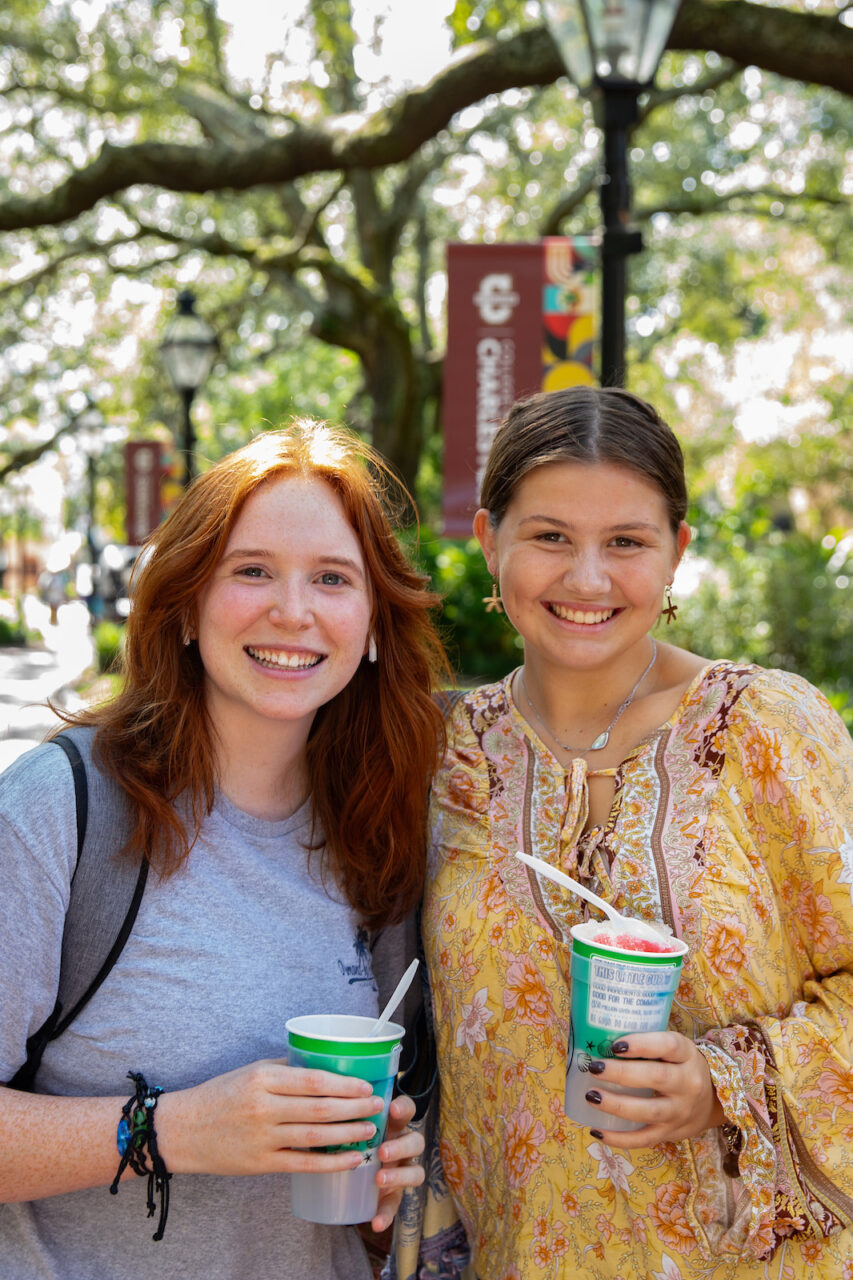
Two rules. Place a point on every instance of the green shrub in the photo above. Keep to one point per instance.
(786, 603)
(12, 632)
(481, 646)
(13, 628)
(108, 638)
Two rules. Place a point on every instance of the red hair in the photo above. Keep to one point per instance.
(372, 749)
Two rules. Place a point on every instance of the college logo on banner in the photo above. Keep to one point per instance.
(521, 319)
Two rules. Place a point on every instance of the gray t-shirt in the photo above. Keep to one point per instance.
(220, 956)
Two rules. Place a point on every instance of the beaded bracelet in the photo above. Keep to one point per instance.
(136, 1140)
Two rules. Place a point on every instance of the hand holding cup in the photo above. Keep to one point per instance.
(400, 1155)
(619, 985)
(267, 1117)
(669, 1065)
(345, 1044)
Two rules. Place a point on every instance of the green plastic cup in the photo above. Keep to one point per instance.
(342, 1043)
(614, 992)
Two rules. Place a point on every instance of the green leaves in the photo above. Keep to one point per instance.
(781, 599)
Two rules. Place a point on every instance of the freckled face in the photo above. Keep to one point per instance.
(583, 555)
(283, 623)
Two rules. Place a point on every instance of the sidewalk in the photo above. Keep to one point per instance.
(30, 675)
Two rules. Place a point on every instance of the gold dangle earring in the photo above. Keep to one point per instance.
(670, 610)
(493, 602)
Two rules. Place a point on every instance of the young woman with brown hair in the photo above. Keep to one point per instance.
(711, 795)
(271, 744)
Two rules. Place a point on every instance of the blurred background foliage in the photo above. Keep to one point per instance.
(328, 291)
(784, 601)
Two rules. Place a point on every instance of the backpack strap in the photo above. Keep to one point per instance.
(419, 1060)
(105, 895)
(81, 790)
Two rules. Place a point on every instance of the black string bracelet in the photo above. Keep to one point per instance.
(136, 1139)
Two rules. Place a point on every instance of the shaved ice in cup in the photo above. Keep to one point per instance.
(346, 1045)
(635, 942)
(622, 982)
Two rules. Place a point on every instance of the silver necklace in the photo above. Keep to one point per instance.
(604, 737)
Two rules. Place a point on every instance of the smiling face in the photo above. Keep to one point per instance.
(283, 622)
(583, 555)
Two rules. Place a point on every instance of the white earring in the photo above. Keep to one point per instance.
(187, 637)
(371, 648)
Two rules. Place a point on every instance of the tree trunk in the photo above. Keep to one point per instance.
(392, 383)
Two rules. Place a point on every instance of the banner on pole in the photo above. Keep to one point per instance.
(521, 318)
(143, 472)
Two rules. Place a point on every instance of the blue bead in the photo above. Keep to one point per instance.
(123, 1136)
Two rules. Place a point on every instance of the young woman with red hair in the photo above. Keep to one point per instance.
(271, 746)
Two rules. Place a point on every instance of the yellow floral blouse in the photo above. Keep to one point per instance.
(734, 824)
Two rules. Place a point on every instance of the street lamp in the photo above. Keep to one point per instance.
(89, 425)
(611, 49)
(188, 350)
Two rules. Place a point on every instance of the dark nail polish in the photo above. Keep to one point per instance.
(593, 1096)
(595, 1133)
(596, 1067)
(621, 1046)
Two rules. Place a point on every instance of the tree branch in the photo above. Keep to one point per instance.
(23, 42)
(81, 99)
(814, 47)
(659, 97)
(213, 31)
(222, 119)
(17, 459)
(570, 202)
(808, 46)
(81, 248)
(707, 201)
(212, 242)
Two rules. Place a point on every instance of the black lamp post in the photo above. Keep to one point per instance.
(89, 426)
(611, 49)
(188, 350)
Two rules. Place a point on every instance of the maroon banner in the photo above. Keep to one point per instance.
(143, 473)
(520, 320)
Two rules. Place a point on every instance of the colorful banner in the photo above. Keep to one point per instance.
(521, 318)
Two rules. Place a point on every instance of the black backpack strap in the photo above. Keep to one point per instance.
(105, 895)
(419, 1060)
(141, 876)
(81, 790)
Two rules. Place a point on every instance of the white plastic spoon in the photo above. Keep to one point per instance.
(628, 924)
(397, 995)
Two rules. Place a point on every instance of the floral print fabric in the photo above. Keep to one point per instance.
(733, 823)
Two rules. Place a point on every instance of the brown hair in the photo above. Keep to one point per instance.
(587, 425)
(372, 748)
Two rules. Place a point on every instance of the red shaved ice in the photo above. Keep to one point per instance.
(631, 942)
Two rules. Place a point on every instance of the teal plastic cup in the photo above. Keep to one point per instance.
(342, 1043)
(614, 992)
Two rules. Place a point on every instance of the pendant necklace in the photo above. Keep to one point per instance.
(604, 737)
